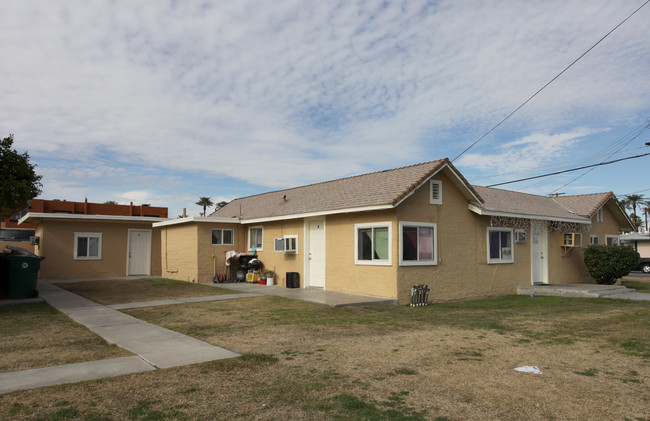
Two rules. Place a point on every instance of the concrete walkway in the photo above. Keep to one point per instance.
(154, 346)
(314, 295)
(584, 291)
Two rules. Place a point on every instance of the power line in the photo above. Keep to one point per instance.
(548, 83)
(633, 135)
(558, 164)
(572, 169)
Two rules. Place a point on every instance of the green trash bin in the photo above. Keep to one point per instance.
(23, 274)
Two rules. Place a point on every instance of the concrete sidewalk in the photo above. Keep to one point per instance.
(584, 291)
(155, 346)
(314, 295)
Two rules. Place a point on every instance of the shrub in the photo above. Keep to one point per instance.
(606, 264)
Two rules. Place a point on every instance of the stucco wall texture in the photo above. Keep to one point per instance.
(57, 246)
(462, 271)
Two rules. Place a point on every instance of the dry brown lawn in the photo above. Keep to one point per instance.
(452, 361)
(36, 335)
(118, 291)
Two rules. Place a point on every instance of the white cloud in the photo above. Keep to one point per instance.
(288, 93)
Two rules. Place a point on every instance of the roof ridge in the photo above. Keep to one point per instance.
(339, 179)
(584, 194)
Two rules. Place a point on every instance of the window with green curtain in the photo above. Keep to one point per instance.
(373, 243)
(380, 242)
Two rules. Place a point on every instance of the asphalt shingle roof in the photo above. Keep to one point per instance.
(374, 189)
(585, 204)
(387, 188)
(508, 201)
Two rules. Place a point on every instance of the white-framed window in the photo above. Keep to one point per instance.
(372, 244)
(87, 245)
(223, 237)
(418, 244)
(286, 244)
(499, 245)
(435, 190)
(593, 240)
(612, 240)
(599, 215)
(255, 237)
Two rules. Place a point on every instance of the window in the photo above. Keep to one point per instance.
(87, 245)
(612, 240)
(599, 215)
(436, 192)
(500, 245)
(223, 237)
(593, 240)
(418, 244)
(255, 235)
(372, 243)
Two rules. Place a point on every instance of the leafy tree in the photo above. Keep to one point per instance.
(220, 205)
(205, 202)
(110, 202)
(18, 182)
(606, 264)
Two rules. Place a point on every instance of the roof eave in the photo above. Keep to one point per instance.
(487, 212)
(34, 216)
(197, 219)
(315, 214)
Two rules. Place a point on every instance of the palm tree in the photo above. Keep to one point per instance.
(634, 200)
(205, 202)
(646, 211)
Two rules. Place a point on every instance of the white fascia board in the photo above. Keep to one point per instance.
(82, 217)
(197, 219)
(456, 176)
(485, 212)
(315, 214)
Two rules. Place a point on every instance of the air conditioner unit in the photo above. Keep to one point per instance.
(286, 244)
(572, 239)
(290, 244)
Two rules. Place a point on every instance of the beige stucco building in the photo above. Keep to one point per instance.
(381, 233)
(95, 246)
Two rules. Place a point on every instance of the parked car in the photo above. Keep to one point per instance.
(644, 265)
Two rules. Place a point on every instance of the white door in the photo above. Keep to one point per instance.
(539, 252)
(316, 253)
(139, 253)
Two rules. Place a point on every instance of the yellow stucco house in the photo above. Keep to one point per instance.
(78, 246)
(381, 233)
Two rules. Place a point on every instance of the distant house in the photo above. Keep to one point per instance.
(381, 233)
(641, 243)
(92, 240)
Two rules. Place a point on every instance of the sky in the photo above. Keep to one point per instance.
(162, 102)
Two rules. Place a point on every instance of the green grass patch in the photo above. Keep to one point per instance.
(637, 347)
(356, 409)
(405, 372)
(590, 372)
(258, 359)
(643, 287)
